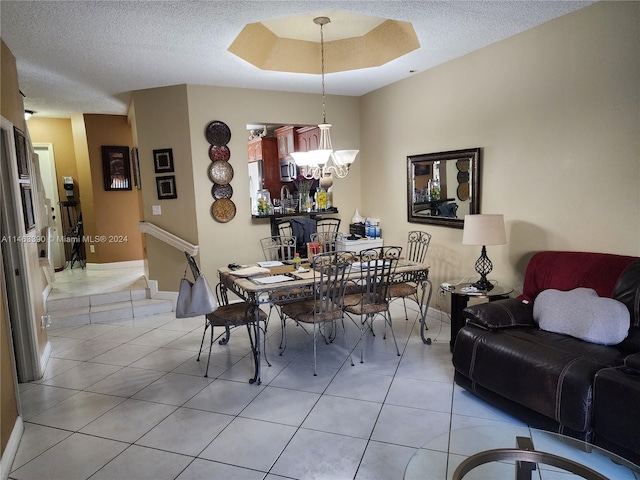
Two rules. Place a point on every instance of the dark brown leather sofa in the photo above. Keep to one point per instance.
(554, 381)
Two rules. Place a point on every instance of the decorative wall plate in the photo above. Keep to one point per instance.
(223, 210)
(219, 152)
(217, 133)
(221, 191)
(220, 172)
(463, 177)
(462, 165)
(463, 192)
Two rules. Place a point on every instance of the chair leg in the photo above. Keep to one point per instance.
(206, 325)
(406, 314)
(315, 334)
(362, 330)
(387, 319)
(206, 372)
(283, 333)
(346, 344)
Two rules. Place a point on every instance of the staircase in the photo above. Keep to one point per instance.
(104, 308)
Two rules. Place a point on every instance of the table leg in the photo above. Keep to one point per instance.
(255, 344)
(524, 469)
(458, 303)
(424, 308)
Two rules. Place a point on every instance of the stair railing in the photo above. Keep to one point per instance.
(168, 238)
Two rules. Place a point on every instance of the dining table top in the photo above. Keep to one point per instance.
(253, 285)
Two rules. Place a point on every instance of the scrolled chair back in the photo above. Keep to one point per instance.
(377, 267)
(329, 277)
(327, 240)
(417, 245)
(279, 247)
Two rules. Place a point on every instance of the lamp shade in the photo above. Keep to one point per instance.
(484, 229)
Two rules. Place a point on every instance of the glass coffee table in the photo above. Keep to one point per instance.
(488, 452)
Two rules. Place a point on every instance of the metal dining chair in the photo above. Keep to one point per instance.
(327, 240)
(324, 308)
(278, 248)
(405, 286)
(327, 225)
(227, 315)
(369, 297)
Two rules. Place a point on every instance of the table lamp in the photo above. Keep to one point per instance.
(486, 229)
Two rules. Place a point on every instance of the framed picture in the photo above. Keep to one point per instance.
(27, 207)
(116, 168)
(166, 187)
(135, 161)
(163, 160)
(21, 153)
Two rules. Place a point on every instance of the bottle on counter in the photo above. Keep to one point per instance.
(296, 261)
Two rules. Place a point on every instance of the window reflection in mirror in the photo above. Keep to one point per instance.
(443, 187)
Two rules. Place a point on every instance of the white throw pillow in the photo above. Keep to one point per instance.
(582, 314)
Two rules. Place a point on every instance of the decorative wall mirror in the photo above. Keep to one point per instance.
(443, 187)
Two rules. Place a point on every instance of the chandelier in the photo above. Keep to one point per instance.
(324, 161)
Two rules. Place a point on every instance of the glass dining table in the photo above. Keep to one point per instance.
(260, 285)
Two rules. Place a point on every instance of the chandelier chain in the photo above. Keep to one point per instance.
(324, 115)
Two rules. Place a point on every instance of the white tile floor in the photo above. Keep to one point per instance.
(128, 400)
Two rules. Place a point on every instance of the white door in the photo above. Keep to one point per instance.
(50, 182)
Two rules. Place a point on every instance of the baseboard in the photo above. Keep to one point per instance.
(11, 449)
(114, 265)
(45, 293)
(44, 359)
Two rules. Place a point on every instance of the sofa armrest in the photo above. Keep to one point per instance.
(633, 361)
(506, 313)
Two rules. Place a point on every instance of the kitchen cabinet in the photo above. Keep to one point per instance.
(287, 140)
(261, 147)
(265, 149)
(308, 139)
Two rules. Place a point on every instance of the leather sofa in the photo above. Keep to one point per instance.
(554, 381)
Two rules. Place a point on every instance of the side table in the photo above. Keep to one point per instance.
(460, 298)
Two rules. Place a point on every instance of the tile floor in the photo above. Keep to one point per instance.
(128, 400)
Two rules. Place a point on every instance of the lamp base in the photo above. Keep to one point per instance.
(483, 267)
(483, 284)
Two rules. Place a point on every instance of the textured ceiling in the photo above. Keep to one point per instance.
(86, 56)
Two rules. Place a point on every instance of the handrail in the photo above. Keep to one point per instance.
(168, 238)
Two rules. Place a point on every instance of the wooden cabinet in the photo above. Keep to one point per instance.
(287, 140)
(260, 147)
(266, 149)
(308, 138)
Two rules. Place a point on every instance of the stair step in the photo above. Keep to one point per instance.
(70, 318)
(97, 308)
(97, 299)
(150, 306)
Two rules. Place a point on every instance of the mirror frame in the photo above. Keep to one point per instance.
(472, 154)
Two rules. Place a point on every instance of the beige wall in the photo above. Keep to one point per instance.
(11, 104)
(9, 406)
(12, 109)
(117, 212)
(111, 214)
(164, 120)
(57, 131)
(557, 113)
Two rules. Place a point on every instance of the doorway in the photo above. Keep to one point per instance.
(50, 182)
(14, 264)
